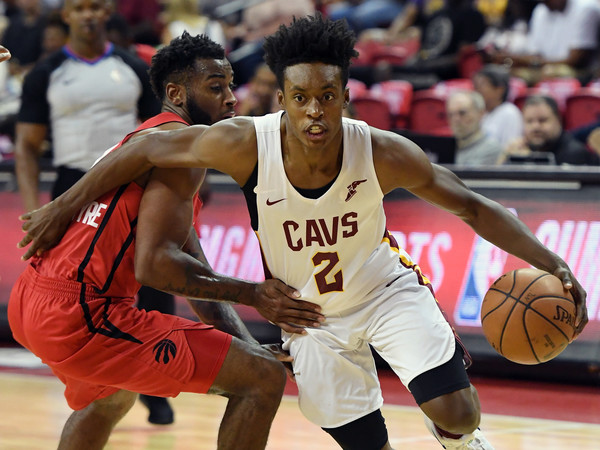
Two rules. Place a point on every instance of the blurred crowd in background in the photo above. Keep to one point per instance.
(508, 80)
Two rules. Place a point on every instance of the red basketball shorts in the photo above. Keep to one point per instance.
(98, 345)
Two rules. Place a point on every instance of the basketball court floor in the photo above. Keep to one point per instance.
(517, 415)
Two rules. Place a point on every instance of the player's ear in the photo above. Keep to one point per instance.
(280, 98)
(346, 97)
(175, 93)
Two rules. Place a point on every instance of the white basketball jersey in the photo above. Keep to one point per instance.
(334, 249)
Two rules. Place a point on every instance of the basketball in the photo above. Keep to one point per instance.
(527, 316)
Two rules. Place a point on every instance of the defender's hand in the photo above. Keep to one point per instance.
(44, 227)
(279, 304)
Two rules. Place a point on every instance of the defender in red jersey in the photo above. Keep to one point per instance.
(73, 306)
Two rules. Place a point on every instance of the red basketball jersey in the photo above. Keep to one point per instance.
(98, 247)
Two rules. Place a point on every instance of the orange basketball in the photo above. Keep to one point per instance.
(527, 316)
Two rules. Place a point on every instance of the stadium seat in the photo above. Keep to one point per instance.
(428, 111)
(365, 51)
(398, 94)
(469, 61)
(357, 88)
(374, 111)
(371, 52)
(519, 100)
(559, 88)
(447, 86)
(582, 108)
(517, 87)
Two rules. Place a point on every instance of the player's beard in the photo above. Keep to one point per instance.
(197, 114)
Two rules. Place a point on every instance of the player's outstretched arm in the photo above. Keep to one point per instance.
(229, 146)
(400, 163)
(164, 222)
(45, 226)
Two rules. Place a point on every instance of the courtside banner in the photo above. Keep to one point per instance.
(460, 265)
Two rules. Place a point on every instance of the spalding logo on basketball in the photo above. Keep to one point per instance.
(527, 316)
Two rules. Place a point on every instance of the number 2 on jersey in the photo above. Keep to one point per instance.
(330, 259)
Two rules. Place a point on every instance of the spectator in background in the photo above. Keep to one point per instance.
(503, 120)
(260, 20)
(143, 16)
(365, 14)
(55, 34)
(408, 24)
(509, 34)
(24, 36)
(119, 33)
(414, 16)
(492, 10)
(543, 132)
(184, 15)
(257, 98)
(562, 41)
(444, 35)
(465, 110)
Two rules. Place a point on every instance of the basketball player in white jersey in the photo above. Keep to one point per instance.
(314, 183)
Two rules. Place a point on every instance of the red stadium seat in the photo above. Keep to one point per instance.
(397, 53)
(357, 88)
(428, 111)
(519, 100)
(398, 94)
(365, 50)
(372, 52)
(469, 61)
(559, 89)
(582, 108)
(447, 86)
(517, 87)
(374, 111)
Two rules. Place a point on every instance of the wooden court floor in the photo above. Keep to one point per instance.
(33, 410)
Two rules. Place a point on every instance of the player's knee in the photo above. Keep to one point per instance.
(446, 395)
(462, 421)
(250, 371)
(115, 405)
(271, 376)
(459, 414)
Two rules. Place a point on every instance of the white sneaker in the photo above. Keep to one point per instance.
(474, 441)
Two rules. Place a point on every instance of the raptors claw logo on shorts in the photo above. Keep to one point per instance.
(163, 349)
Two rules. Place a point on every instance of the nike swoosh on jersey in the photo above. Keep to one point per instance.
(270, 203)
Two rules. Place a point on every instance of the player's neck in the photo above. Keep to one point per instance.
(311, 168)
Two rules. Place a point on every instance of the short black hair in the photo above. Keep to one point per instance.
(310, 39)
(177, 61)
(541, 99)
(498, 75)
